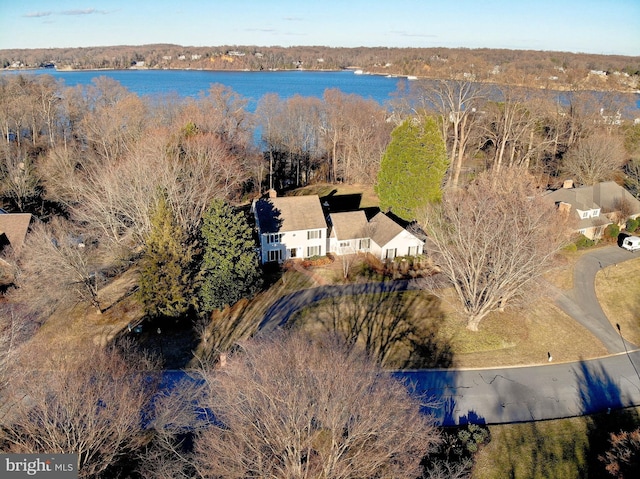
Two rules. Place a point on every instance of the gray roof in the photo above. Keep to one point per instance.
(349, 225)
(605, 196)
(383, 229)
(289, 213)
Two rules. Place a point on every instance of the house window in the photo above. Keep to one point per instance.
(413, 250)
(315, 234)
(274, 255)
(345, 244)
(390, 253)
(293, 252)
(585, 214)
(313, 251)
(274, 237)
(364, 244)
(582, 231)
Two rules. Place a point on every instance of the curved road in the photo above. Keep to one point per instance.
(516, 394)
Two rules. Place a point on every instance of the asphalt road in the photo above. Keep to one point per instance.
(516, 394)
(507, 395)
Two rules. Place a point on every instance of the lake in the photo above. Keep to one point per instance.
(254, 85)
(250, 85)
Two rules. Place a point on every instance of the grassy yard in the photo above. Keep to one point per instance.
(366, 194)
(562, 448)
(512, 337)
(618, 290)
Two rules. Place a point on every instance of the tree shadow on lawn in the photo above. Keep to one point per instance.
(400, 330)
(602, 397)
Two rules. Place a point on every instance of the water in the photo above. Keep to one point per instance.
(250, 85)
(254, 85)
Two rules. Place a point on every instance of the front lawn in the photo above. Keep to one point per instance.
(618, 291)
(560, 448)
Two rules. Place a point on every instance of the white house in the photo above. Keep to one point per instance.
(595, 207)
(389, 239)
(349, 233)
(295, 227)
(290, 227)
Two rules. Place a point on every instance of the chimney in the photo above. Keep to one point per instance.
(564, 208)
(272, 193)
(567, 184)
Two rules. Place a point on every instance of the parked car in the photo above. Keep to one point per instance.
(631, 243)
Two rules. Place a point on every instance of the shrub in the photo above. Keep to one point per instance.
(316, 261)
(583, 242)
(612, 231)
(632, 224)
(571, 248)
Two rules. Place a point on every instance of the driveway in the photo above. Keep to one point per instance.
(581, 302)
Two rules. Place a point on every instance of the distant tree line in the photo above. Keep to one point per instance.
(546, 69)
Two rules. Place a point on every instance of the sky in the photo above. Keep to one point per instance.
(588, 26)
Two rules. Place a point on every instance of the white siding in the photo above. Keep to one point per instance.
(400, 244)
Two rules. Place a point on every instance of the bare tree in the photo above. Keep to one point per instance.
(598, 157)
(87, 402)
(57, 267)
(19, 179)
(510, 127)
(622, 459)
(632, 176)
(457, 103)
(493, 240)
(293, 409)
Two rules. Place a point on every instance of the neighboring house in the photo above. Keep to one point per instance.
(295, 227)
(595, 207)
(290, 227)
(13, 229)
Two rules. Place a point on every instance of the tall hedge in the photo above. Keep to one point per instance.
(229, 269)
(412, 168)
(165, 284)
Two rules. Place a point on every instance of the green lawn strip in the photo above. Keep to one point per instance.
(512, 337)
(562, 448)
(618, 291)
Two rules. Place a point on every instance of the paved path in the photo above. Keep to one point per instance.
(581, 302)
(516, 394)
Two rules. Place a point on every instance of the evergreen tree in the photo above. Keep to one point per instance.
(229, 270)
(165, 277)
(412, 168)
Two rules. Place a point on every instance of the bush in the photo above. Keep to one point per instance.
(612, 231)
(632, 224)
(583, 242)
(316, 261)
(571, 248)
